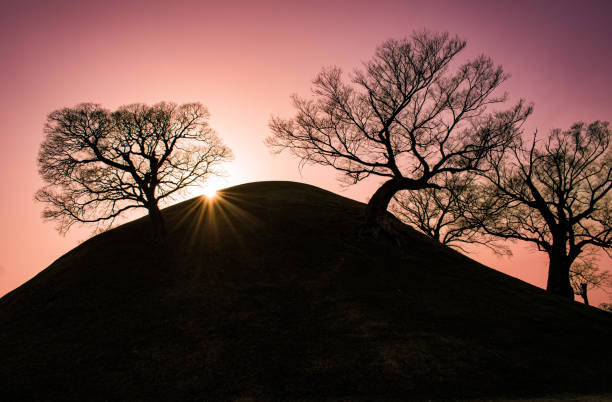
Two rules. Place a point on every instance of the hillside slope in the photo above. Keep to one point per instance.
(268, 292)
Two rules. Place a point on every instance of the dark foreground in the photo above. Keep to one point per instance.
(269, 293)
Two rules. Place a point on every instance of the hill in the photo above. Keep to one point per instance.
(268, 292)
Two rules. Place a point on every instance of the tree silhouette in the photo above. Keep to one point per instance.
(445, 214)
(409, 117)
(585, 275)
(556, 195)
(98, 164)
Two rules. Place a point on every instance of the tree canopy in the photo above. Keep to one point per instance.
(445, 213)
(98, 164)
(556, 194)
(410, 117)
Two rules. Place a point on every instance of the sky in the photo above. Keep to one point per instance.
(243, 60)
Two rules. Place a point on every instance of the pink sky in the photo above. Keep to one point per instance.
(243, 59)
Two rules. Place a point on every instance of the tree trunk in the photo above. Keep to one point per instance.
(157, 221)
(583, 293)
(377, 207)
(558, 275)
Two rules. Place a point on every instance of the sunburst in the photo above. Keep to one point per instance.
(210, 192)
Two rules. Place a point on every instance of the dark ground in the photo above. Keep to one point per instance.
(269, 293)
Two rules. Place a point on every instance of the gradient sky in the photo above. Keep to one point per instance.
(243, 59)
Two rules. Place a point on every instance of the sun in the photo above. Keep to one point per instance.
(210, 191)
(210, 187)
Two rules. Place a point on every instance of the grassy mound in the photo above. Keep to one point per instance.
(268, 292)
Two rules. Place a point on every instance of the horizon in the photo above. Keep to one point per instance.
(243, 61)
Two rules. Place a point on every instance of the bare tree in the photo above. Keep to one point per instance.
(98, 164)
(445, 213)
(556, 195)
(585, 275)
(409, 117)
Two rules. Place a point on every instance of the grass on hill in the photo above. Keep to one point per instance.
(268, 292)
